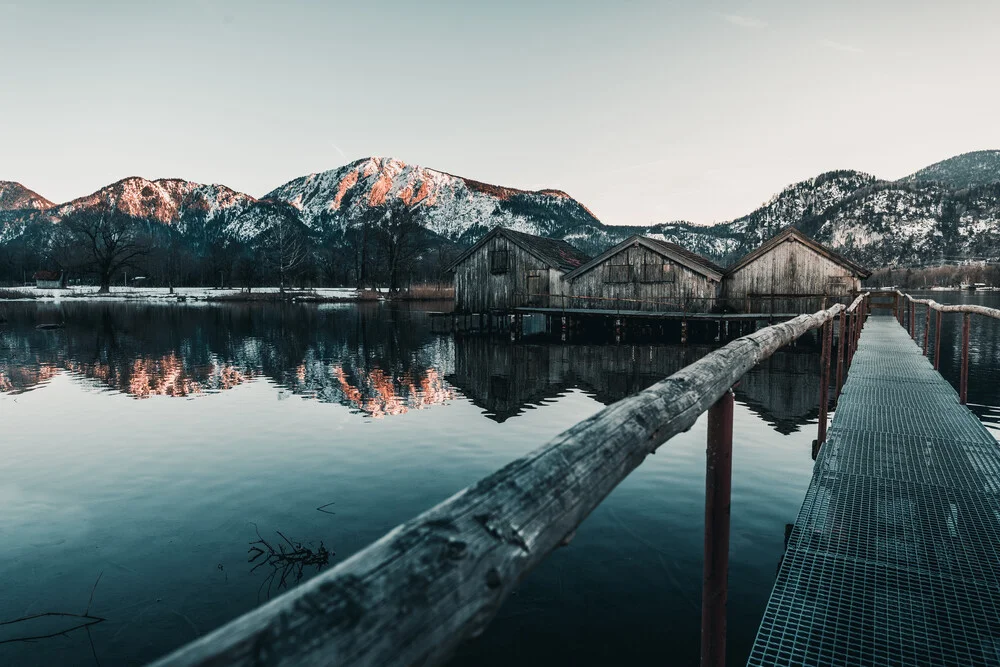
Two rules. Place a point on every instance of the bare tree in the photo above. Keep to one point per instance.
(401, 236)
(104, 241)
(284, 248)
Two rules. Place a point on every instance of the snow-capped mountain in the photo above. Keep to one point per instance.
(16, 197)
(879, 223)
(950, 210)
(17, 205)
(189, 208)
(457, 209)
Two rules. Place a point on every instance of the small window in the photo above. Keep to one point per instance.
(499, 261)
(657, 273)
(618, 273)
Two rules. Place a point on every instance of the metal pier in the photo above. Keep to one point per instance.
(894, 558)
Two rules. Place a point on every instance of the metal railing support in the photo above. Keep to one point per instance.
(937, 342)
(927, 327)
(840, 354)
(964, 381)
(718, 488)
(824, 381)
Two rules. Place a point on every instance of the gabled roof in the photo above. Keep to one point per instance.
(555, 252)
(791, 233)
(671, 251)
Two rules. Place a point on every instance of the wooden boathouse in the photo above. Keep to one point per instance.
(525, 284)
(508, 269)
(645, 274)
(791, 273)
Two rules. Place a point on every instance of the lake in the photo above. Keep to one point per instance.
(164, 452)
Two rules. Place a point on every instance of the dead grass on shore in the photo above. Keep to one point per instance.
(15, 294)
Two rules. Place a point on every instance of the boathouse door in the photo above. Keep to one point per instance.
(538, 289)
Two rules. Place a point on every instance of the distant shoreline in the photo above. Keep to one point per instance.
(214, 295)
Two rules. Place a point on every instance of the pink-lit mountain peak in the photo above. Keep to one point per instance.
(454, 205)
(16, 197)
(165, 200)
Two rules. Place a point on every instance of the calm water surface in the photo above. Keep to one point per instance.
(160, 447)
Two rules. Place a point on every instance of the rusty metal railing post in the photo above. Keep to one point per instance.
(849, 341)
(963, 386)
(913, 320)
(824, 381)
(927, 327)
(840, 354)
(937, 342)
(718, 489)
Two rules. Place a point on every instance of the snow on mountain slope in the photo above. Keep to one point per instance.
(456, 208)
(950, 210)
(185, 206)
(968, 170)
(796, 202)
(17, 206)
(16, 197)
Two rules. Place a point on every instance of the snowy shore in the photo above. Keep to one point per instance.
(333, 294)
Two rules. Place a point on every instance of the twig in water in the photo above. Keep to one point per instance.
(286, 564)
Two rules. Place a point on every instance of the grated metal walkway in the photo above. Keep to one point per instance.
(894, 558)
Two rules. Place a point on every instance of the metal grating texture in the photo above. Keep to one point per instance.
(894, 558)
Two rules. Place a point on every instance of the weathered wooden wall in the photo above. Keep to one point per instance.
(790, 268)
(687, 286)
(478, 290)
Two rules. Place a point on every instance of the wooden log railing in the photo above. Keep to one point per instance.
(414, 595)
(967, 311)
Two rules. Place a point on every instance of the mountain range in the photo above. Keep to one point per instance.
(946, 211)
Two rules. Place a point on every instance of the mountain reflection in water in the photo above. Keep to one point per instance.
(165, 497)
(356, 357)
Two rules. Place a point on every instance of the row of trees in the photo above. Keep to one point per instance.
(936, 276)
(390, 248)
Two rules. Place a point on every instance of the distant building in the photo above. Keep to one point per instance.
(508, 269)
(791, 273)
(50, 279)
(642, 273)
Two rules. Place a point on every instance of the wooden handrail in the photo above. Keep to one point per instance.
(967, 311)
(415, 594)
(954, 308)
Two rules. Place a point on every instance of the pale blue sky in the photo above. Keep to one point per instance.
(644, 111)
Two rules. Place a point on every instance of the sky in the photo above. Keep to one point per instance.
(645, 111)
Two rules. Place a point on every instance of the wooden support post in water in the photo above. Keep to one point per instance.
(684, 331)
(842, 340)
(927, 327)
(824, 375)
(937, 342)
(718, 487)
(963, 387)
